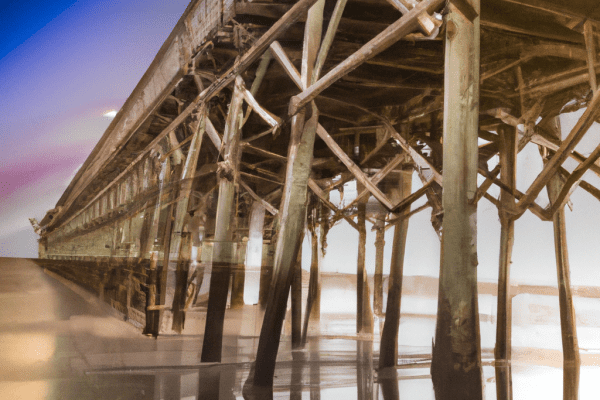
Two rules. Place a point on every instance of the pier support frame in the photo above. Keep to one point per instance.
(388, 355)
(456, 365)
(364, 314)
(293, 215)
(502, 352)
(568, 326)
(223, 254)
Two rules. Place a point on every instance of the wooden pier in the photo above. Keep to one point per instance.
(252, 113)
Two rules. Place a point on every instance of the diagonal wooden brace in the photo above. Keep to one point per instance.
(580, 129)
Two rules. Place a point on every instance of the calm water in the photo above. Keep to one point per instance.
(56, 345)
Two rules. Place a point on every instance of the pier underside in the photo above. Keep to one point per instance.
(253, 113)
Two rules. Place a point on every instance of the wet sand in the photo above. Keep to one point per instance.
(54, 344)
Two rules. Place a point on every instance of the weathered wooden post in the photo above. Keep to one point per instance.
(223, 248)
(297, 302)
(388, 354)
(502, 353)
(313, 301)
(292, 211)
(379, 227)
(179, 297)
(568, 326)
(254, 249)
(456, 365)
(364, 314)
(181, 211)
(293, 214)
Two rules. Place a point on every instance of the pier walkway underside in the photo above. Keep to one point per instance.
(252, 113)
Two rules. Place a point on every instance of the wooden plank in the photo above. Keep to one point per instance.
(389, 36)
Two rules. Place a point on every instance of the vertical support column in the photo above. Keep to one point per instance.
(502, 353)
(223, 249)
(388, 354)
(179, 297)
(297, 302)
(254, 249)
(456, 365)
(151, 327)
(364, 314)
(292, 211)
(175, 245)
(266, 278)
(568, 327)
(313, 302)
(293, 215)
(378, 278)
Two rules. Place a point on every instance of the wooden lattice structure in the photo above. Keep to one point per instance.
(252, 112)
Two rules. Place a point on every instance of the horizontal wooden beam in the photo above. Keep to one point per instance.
(405, 25)
(258, 48)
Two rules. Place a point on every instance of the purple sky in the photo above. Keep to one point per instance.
(63, 66)
(62, 70)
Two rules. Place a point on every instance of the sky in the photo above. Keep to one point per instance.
(64, 64)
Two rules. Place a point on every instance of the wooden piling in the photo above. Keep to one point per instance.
(378, 277)
(223, 248)
(180, 215)
(313, 301)
(293, 214)
(254, 248)
(456, 365)
(502, 352)
(388, 354)
(297, 302)
(568, 326)
(364, 314)
(179, 297)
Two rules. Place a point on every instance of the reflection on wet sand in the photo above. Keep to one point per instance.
(55, 345)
